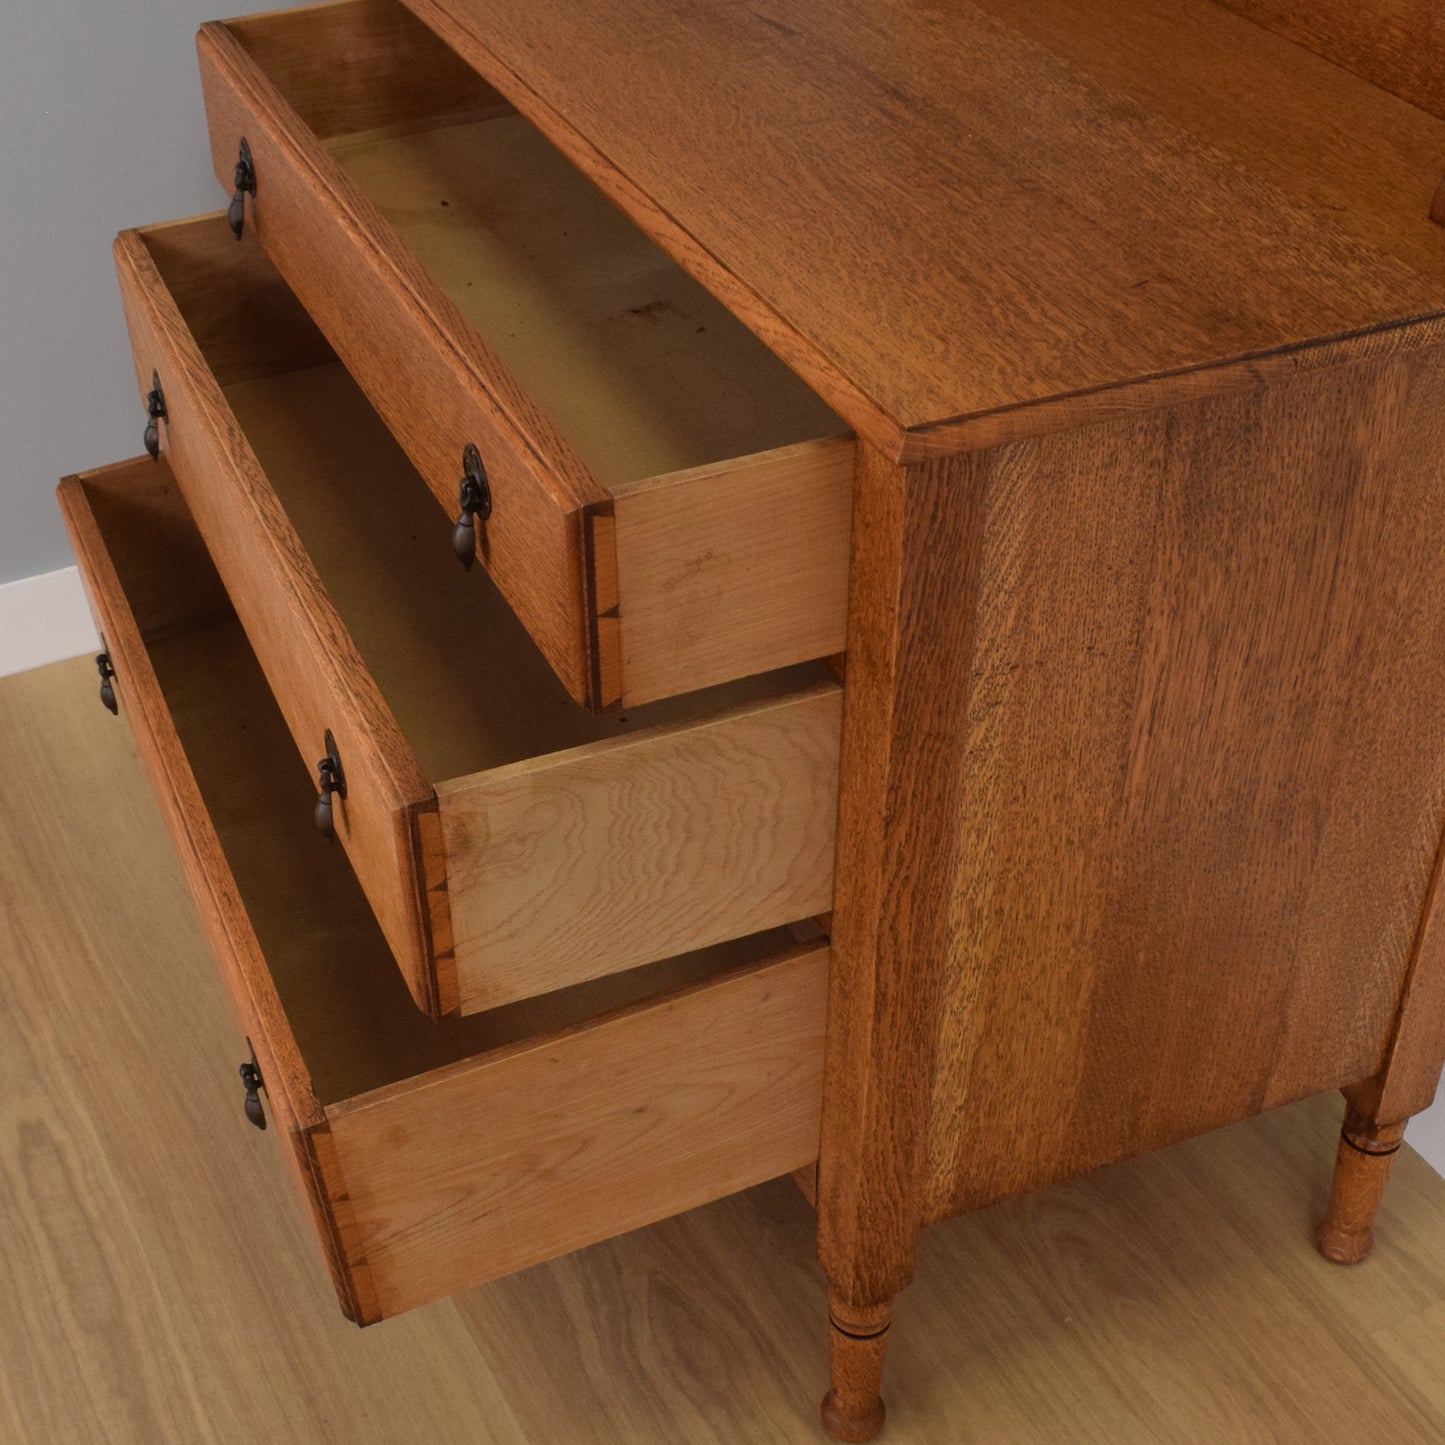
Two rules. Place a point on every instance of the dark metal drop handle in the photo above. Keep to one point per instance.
(245, 185)
(107, 688)
(476, 503)
(156, 412)
(251, 1078)
(330, 780)
(326, 782)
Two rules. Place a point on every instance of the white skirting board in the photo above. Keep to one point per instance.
(44, 619)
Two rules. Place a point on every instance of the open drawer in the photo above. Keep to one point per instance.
(510, 841)
(432, 1156)
(669, 504)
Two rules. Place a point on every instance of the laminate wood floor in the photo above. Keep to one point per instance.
(158, 1283)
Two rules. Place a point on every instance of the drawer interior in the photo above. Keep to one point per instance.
(343, 997)
(462, 676)
(642, 371)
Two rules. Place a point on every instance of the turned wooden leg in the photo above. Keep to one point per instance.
(1362, 1168)
(858, 1339)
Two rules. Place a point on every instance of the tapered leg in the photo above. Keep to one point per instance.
(858, 1339)
(1362, 1168)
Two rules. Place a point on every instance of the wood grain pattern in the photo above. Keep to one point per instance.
(132, 496)
(459, 679)
(585, 862)
(246, 321)
(635, 365)
(387, 320)
(332, 970)
(319, 678)
(676, 783)
(1346, 1234)
(913, 600)
(1062, 239)
(1203, 1241)
(1397, 44)
(1409, 1076)
(712, 1087)
(730, 570)
(1369, 161)
(363, 65)
(503, 1162)
(161, 1282)
(1204, 788)
(150, 1301)
(857, 1344)
(533, 312)
(665, 397)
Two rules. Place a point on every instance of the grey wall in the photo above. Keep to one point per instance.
(101, 127)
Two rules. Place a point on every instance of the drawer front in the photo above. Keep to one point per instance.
(436, 385)
(510, 842)
(135, 510)
(387, 820)
(693, 527)
(554, 1135)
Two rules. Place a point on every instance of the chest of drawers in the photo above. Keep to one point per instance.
(953, 671)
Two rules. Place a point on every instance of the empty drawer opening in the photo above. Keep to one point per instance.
(466, 683)
(641, 370)
(343, 996)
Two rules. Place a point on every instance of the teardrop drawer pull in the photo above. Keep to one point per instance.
(251, 1078)
(107, 689)
(476, 502)
(245, 184)
(330, 780)
(156, 411)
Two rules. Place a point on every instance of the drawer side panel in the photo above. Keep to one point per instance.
(733, 569)
(594, 860)
(502, 1162)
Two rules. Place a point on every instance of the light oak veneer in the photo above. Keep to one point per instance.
(671, 504)
(510, 841)
(432, 1157)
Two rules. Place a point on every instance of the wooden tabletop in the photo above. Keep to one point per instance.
(944, 214)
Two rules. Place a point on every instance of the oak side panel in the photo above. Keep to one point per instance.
(319, 679)
(596, 859)
(507, 1160)
(734, 568)
(295, 1114)
(1397, 44)
(1410, 1076)
(1205, 773)
(429, 376)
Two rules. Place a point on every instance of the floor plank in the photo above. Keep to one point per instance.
(159, 1282)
